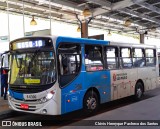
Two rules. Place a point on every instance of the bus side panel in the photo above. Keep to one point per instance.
(101, 81)
(130, 81)
(123, 83)
(149, 77)
(116, 84)
(72, 95)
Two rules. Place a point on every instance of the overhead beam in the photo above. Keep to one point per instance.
(41, 12)
(136, 14)
(137, 8)
(106, 7)
(32, 8)
(156, 3)
(125, 3)
(120, 18)
(68, 4)
(150, 7)
(35, 11)
(105, 3)
(99, 11)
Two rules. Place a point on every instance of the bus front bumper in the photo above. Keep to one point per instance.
(48, 108)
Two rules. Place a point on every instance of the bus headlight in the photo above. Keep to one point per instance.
(49, 96)
(46, 98)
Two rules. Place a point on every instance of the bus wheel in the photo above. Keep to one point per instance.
(138, 91)
(91, 102)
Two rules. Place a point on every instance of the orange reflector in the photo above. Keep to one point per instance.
(68, 101)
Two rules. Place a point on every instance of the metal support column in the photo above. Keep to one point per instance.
(141, 38)
(84, 26)
(84, 29)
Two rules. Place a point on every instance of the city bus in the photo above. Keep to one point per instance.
(54, 75)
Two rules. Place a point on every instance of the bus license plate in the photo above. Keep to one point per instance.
(24, 106)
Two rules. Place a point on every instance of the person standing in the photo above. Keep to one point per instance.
(4, 83)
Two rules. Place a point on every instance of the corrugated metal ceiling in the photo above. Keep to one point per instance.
(108, 14)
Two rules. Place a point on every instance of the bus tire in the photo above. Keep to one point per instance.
(138, 91)
(90, 102)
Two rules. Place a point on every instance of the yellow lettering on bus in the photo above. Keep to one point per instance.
(31, 81)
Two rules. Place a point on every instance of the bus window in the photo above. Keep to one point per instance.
(138, 57)
(150, 57)
(70, 64)
(111, 57)
(93, 58)
(126, 60)
(69, 60)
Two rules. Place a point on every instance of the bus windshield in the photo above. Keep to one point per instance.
(33, 68)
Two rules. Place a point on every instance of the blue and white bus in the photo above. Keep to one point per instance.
(56, 75)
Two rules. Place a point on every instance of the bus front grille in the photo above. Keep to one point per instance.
(28, 89)
(31, 108)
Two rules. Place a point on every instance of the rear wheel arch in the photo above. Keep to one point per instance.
(95, 90)
(139, 90)
(91, 100)
(141, 81)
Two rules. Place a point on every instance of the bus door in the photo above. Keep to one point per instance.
(95, 75)
(70, 76)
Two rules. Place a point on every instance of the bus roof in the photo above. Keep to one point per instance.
(132, 45)
(59, 39)
(100, 42)
(80, 40)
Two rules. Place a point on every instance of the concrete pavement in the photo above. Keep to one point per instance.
(148, 109)
(4, 108)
